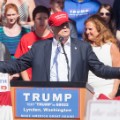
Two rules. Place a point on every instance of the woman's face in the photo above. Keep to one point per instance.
(41, 21)
(91, 31)
(11, 16)
(105, 14)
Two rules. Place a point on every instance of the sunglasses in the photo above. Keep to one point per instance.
(107, 14)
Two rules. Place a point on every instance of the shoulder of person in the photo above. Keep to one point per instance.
(43, 42)
(81, 43)
(1, 28)
(25, 30)
(27, 36)
(115, 54)
(114, 50)
(114, 47)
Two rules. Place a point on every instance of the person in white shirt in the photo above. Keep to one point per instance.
(104, 45)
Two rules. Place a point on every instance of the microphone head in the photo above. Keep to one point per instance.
(61, 39)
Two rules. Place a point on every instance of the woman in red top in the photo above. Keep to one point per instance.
(41, 32)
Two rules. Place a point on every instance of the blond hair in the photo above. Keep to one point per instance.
(105, 35)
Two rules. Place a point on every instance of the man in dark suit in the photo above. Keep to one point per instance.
(61, 58)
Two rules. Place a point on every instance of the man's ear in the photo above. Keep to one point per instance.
(51, 29)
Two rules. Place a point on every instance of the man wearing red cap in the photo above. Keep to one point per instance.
(61, 58)
(58, 6)
(60, 27)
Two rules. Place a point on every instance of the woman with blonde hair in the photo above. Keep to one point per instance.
(104, 45)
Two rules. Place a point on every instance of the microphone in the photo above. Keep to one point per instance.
(61, 40)
(67, 61)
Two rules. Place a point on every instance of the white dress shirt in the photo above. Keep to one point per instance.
(58, 65)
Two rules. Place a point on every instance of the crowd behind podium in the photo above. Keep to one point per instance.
(24, 22)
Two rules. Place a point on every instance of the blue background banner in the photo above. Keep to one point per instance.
(47, 103)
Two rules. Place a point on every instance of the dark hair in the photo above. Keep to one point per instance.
(112, 24)
(40, 9)
(107, 7)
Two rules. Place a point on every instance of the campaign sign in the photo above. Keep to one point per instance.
(47, 103)
(4, 82)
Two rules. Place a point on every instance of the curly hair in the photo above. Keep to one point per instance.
(105, 35)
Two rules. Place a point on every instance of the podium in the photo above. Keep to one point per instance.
(49, 100)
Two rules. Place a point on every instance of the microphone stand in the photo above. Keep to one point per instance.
(67, 61)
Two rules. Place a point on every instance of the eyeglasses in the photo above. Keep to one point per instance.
(107, 14)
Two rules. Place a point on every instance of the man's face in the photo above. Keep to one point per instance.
(41, 20)
(61, 31)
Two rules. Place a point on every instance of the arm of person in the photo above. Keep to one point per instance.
(22, 49)
(14, 76)
(115, 89)
(7, 55)
(25, 76)
(118, 35)
(1, 2)
(115, 54)
(99, 69)
(31, 5)
(20, 64)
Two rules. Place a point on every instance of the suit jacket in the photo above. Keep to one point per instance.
(83, 59)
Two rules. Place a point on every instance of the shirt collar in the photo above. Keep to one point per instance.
(56, 42)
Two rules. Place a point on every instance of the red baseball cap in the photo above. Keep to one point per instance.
(58, 19)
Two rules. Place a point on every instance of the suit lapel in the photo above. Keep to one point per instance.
(74, 56)
(47, 55)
